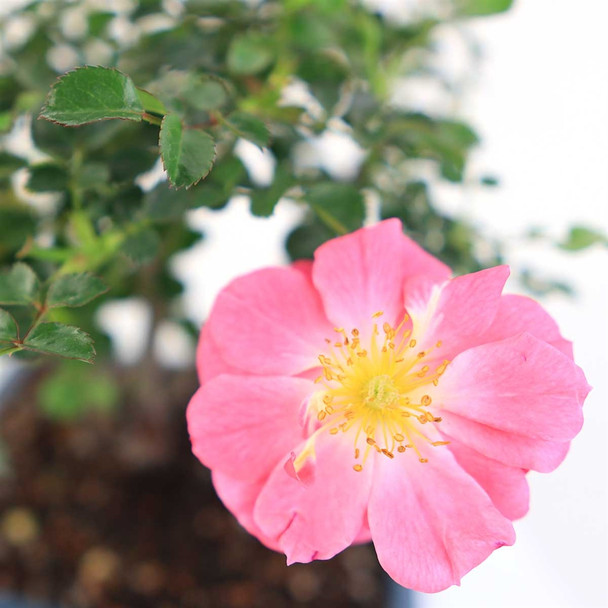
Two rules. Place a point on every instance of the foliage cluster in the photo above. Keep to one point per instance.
(188, 81)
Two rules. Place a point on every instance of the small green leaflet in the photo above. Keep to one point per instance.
(8, 327)
(62, 340)
(478, 8)
(74, 290)
(187, 154)
(18, 287)
(92, 93)
(249, 127)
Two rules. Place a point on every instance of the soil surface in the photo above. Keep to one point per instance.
(115, 512)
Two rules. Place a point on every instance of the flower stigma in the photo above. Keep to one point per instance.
(381, 390)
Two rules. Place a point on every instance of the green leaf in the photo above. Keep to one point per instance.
(250, 54)
(477, 8)
(305, 239)
(265, 200)
(9, 164)
(8, 326)
(74, 290)
(151, 104)
(18, 287)
(6, 121)
(73, 390)
(205, 93)
(47, 177)
(187, 154)
(16, 224)
(142, 247)
(92, 93)
(62, 340)
(581, 238)
(249, 127)
(340, 206)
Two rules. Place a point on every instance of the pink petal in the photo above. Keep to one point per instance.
(517, 314)
(209, 362)
(363, 273)
(239, 497)
(316, 521)
(431, 523)
(506, 486)
(243, 425)
(509, 448)
(458, 312)
(303, 266)
(270, 322)
(520, 385)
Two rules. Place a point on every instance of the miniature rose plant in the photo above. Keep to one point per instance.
(369, 396)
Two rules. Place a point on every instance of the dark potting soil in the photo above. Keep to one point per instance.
(115, 512)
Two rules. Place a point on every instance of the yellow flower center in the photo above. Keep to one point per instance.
(381, 391)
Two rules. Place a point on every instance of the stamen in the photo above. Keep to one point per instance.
(367, 386)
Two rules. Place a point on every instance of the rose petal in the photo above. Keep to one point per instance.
(509, 448)
(431, 523)
(270, 322)
(505, 485)
(209, 362)
(520, 385)
(239, 497)
(318, 520)
(517, 314)
(456, 313)
(243, 425)
(363, 273)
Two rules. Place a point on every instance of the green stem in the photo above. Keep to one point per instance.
(9, 350)
(152, 119)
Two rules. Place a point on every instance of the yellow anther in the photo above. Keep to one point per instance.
(438, 344)
(377, 389)
(423, 460)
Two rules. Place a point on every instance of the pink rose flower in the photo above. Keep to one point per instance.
(369, 396)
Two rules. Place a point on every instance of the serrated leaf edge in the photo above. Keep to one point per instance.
(162, 158)
(78, 69)
(25, 346)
